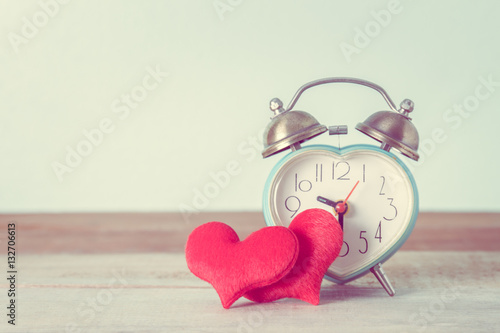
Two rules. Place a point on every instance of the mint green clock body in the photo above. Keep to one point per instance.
(382, 210)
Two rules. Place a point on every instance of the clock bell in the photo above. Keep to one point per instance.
(289, 128)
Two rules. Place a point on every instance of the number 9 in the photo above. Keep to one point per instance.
(292, 209)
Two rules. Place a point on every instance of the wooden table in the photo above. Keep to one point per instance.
(127, 273)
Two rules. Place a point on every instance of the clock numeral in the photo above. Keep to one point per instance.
(366, 242)
(290, 205)
(364, 173)
(345, 169)
(382, 188)
(346, 250)
(378, 233)
(303, 185)
(395, 210)
(363, 249)
(319, 173)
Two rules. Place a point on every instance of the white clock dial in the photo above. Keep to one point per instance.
(381, 209)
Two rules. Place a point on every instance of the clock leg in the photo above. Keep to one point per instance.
(382, 278)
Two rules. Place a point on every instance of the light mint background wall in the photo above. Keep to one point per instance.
(67, 68)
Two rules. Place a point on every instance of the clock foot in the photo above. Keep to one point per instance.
(382, 278)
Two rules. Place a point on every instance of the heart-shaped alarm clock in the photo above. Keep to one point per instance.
(368, 188)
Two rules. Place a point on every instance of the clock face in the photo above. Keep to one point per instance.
(381, 210)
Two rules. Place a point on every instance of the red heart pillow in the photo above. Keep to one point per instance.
(320, 239)
(214, 253)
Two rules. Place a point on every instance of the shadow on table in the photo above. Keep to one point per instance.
(336, 293)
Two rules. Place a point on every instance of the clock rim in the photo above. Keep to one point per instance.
(345, 150)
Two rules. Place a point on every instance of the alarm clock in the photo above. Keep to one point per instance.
(368, 188)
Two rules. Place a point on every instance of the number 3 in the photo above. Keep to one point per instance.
(395, 210)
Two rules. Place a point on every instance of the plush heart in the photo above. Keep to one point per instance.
(214, 253)
(320, 239)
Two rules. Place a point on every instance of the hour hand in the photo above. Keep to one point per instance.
(339, 207)
(335, 206)
(326, 201)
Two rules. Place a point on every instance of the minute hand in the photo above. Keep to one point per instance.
(327, 201)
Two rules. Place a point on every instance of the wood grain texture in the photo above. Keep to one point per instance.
(436, 292)
(127, 273)
(160, 232)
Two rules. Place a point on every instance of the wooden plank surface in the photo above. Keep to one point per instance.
(436, 291)
(127, 273)
(160, 232)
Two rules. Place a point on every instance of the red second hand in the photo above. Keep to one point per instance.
(341, 206)
(345, 201)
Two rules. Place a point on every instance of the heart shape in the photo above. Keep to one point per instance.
(371, 210)
(320, 239)
(215, 254)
